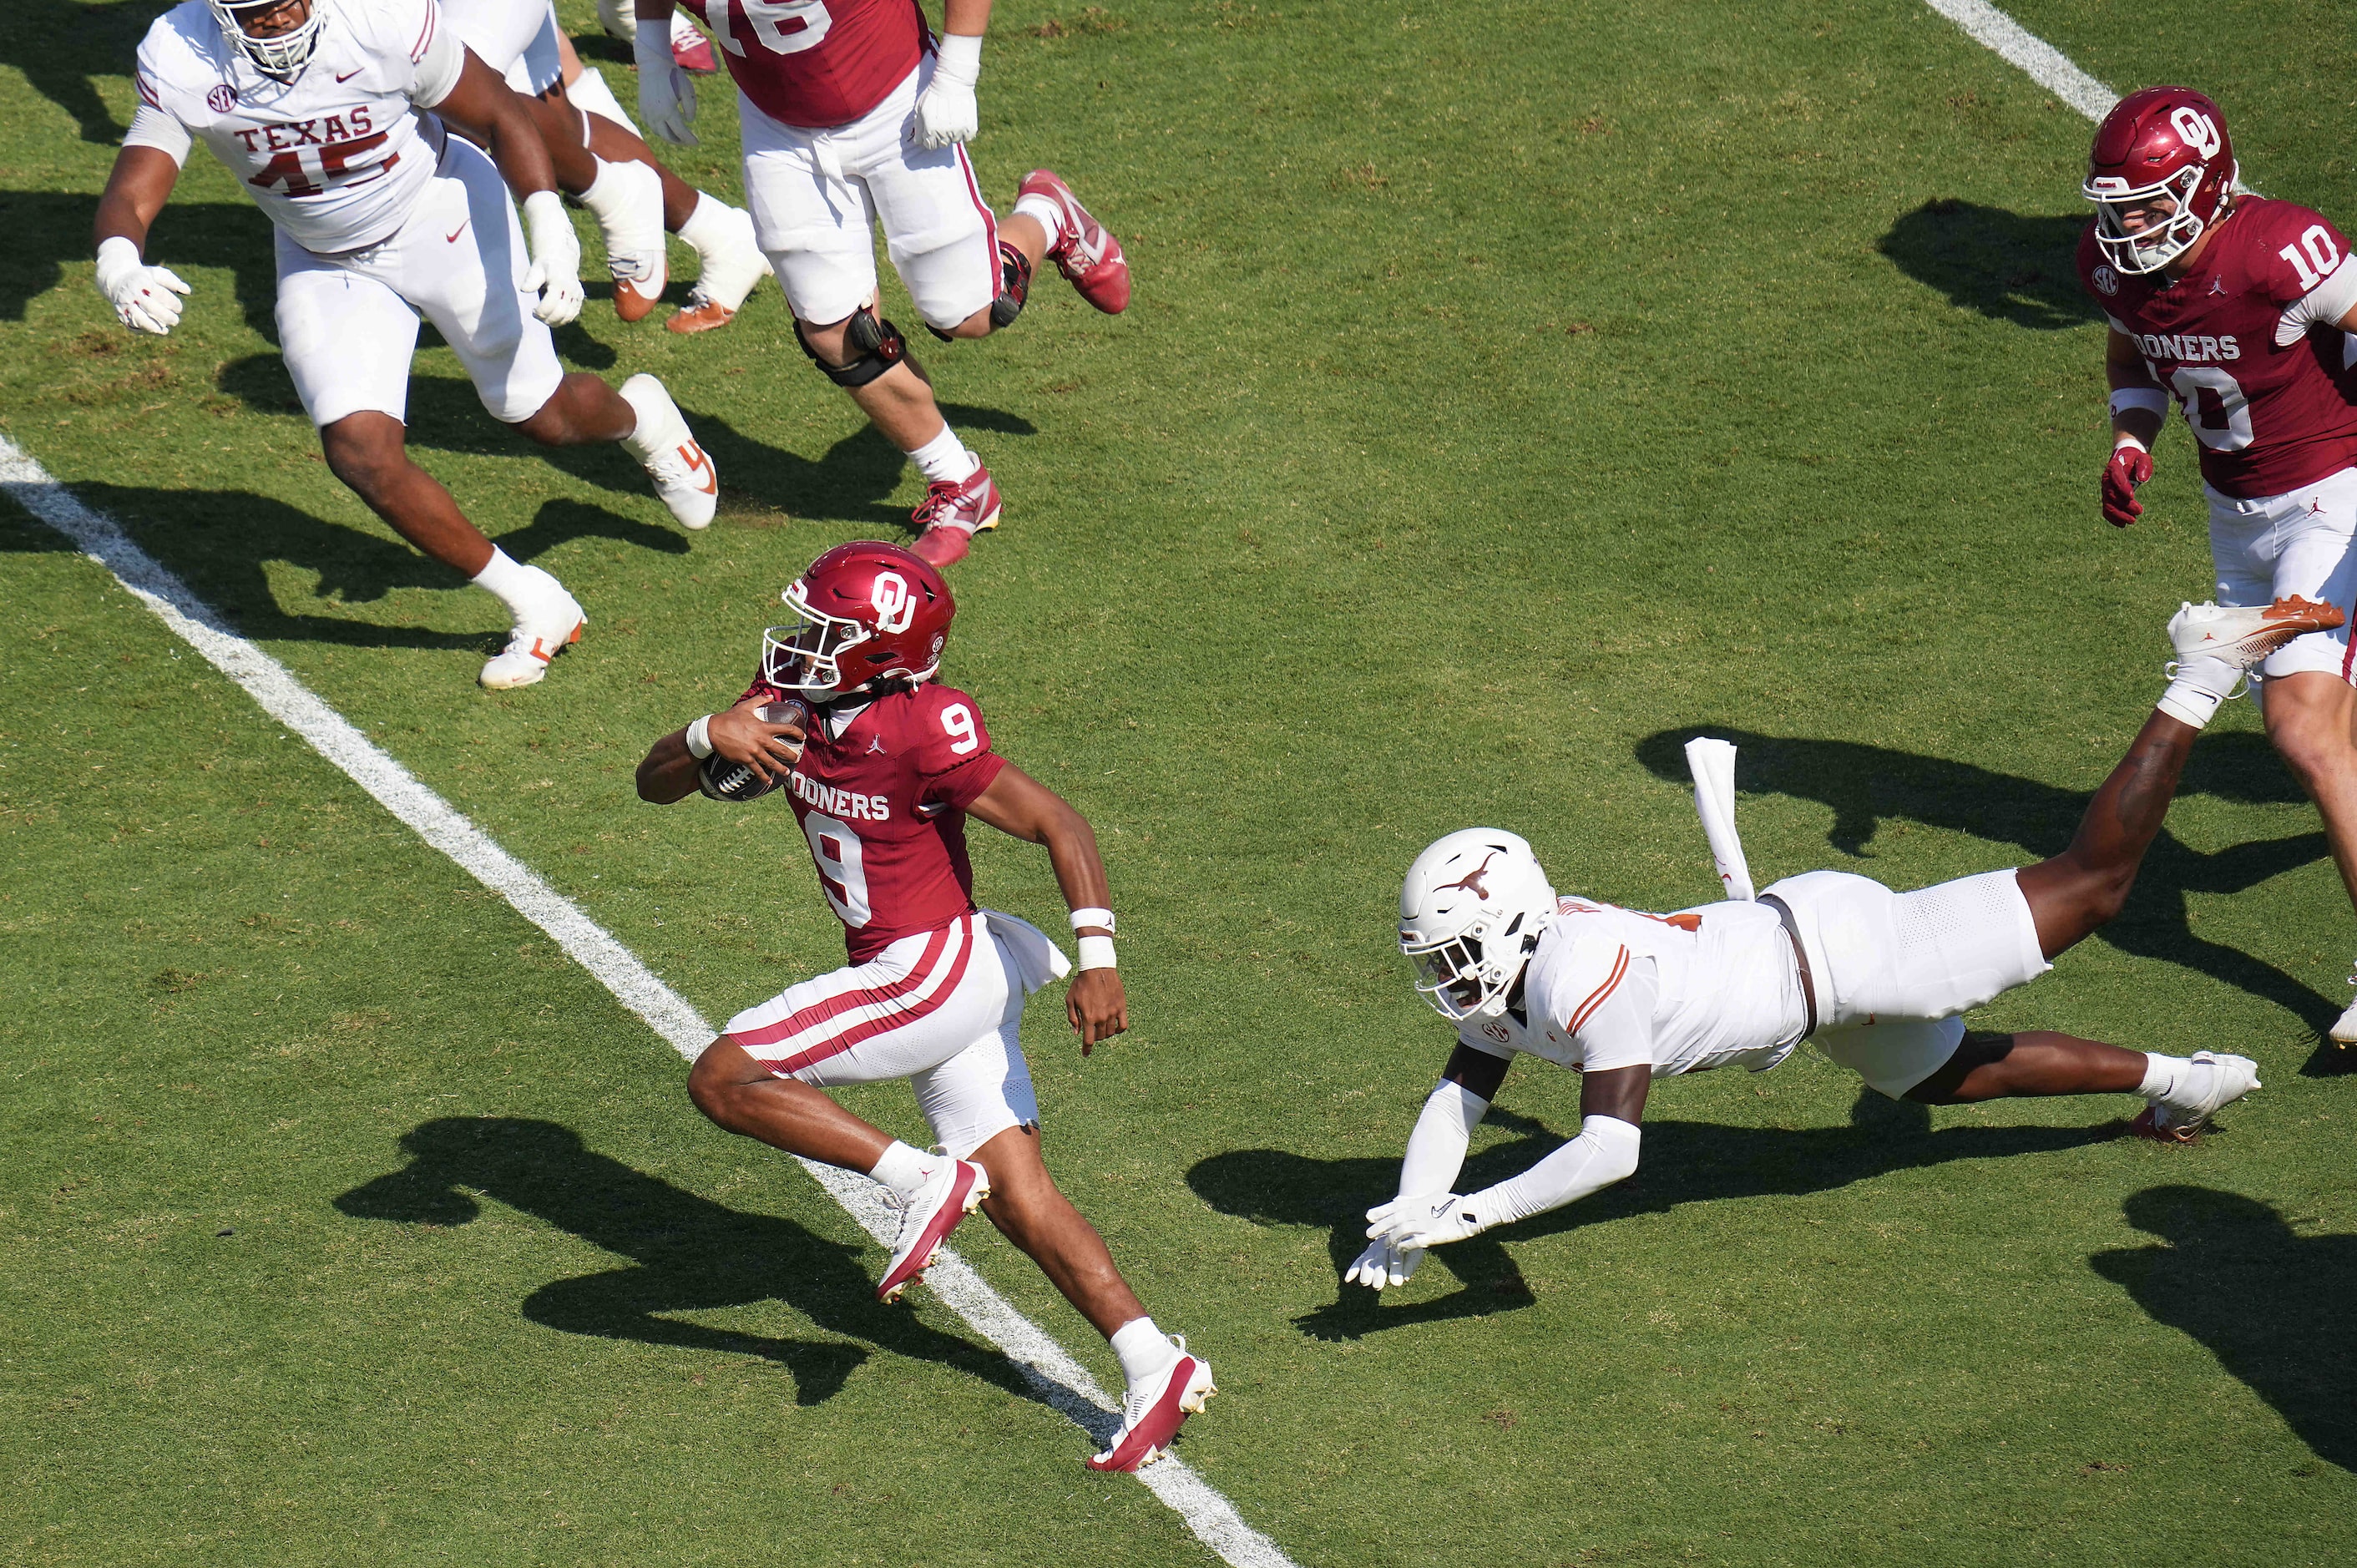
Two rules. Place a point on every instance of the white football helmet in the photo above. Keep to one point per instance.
(281, 55)
(1471, 912)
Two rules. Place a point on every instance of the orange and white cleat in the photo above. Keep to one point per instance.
(1082, 249)
(2243, 635)
(949, 1194)
(2209, 1083)
(685, 479)
(535, 642)
(1155, 1409)
(732, 266)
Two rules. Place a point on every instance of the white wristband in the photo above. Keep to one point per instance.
(699, 738)
(2125, 439)
(1092, 917)
(1096, 952)
(959, 57)
(2151, 400)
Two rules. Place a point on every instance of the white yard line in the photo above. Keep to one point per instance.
(1061, 1381)
(2046, 65)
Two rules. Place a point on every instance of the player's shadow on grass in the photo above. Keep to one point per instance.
(686, 1254)
(2273, 1305)
(42, 230)
(1685, 1162)
(2010, 266)
(1863, 785)
(62, 44)
(850, 483)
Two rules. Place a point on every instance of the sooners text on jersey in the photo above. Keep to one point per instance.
(2270, 416)
(816, 63)
(336, 156)
(883, 805)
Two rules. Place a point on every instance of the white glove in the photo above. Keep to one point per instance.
(144, 296)
(666, 93)
(1383, 1264)
(1413, 1224)
(946, 111)
(555, 273)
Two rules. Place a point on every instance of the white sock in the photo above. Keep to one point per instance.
(706, 228)
(519, 587)
(2195, 704)
(1142, 1348)
(945, 457)
(2161, 1075)
(626, 200)
(661, 426)
(904, 1169)
(1048, 214)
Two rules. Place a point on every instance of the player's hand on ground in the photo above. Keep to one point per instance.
(146, 298)
(666, 92)
(556, 249)
(1413, 1224)
(1096, 1006)
(1382, 1265)
(2130, 466)
(743, 737)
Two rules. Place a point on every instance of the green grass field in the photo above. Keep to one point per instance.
(1510, 391)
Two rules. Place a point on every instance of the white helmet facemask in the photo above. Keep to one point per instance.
(1471, 910)
(281, 55)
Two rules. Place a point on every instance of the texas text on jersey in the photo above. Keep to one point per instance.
(337, 155)
(2270, 397)
(881, 792)
(816, 63)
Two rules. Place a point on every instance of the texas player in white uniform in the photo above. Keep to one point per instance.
(850, 115)
(1877, 979)
(600, 159)
(883, 766)
(331, 112)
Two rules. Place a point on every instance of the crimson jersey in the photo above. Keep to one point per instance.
(2273, 402)
(816, 63)
(881, 798)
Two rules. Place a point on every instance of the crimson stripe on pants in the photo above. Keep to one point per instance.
(887, 1023)
(818, 1012)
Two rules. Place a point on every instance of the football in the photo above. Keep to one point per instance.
(726, 780)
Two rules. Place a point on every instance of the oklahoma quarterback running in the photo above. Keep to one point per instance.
(883, 767)
(2240, 308)
(331, 114)
(1876, 978)
(851, 113)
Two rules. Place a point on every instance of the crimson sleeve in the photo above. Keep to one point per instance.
(954, 759)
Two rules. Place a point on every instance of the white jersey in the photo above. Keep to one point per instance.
(339, 156)
(1608, 987)
(500, 31)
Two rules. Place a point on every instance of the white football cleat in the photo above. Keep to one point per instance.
(732, 268)
(1155, 1408)
(685, 479)
(2344, 1032)
(2216, 1080)
(2243, 635)
(537, 639)
(949, 1194)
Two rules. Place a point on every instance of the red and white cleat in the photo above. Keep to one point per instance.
(954, 512)
(691, 49)
(953, 1192)
(1152, 1414)
(1081, 249)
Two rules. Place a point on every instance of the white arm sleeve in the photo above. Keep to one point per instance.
(1604, 1151)
(160, 129)
(1435, 1150)
(439, 66)
(2322, 306)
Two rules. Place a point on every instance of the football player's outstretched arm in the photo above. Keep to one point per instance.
(145, 298)
(1436, 1153)
(738, 734)
(1020, 806)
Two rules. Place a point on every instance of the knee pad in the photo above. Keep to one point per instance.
(877, 341)
(1014, 285)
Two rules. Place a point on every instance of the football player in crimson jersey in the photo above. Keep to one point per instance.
(2240, 308)
(333, 114)
(1877, 979)
(883, 767)
(852, 112)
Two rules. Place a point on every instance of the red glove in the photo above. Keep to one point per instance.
(2130, 466)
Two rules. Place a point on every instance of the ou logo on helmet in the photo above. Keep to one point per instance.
(895, 605)
(2197, 130)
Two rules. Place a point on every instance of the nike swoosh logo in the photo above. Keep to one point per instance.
(348, 75)
(453, 236)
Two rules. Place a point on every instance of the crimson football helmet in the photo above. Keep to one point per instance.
(2162, 156)
(869, 612)
(283, 53)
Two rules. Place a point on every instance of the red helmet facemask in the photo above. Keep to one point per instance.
(869, 613)
(2161, 172)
